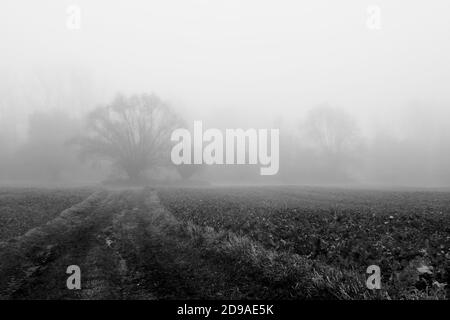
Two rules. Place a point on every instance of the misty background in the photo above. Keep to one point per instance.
(353, 104)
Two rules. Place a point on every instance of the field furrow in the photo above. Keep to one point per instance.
(182, 244)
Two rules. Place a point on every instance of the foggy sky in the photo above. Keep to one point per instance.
(235, 61)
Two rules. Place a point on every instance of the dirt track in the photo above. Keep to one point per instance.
(125, 245)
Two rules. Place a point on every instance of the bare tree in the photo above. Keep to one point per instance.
(333, 130)
(336, 137)
(133, 132)
(45, 154)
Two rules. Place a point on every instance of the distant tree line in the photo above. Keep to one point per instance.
(129, 139)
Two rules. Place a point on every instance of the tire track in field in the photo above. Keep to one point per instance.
(129, 246)
(34, 265)
(159, 260)
(174, 265)
(123, 253)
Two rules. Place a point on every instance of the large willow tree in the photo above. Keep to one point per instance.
(132, 131)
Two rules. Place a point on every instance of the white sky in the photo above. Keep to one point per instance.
(256, 56)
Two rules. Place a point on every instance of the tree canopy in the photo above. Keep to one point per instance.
(132, 131)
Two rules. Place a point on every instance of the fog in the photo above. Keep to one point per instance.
(235, 64)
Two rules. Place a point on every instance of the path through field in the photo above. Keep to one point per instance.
(167, 244)
(127, 246)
